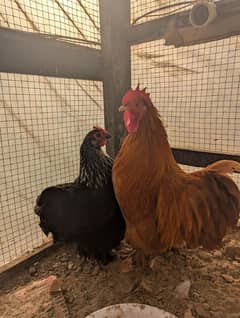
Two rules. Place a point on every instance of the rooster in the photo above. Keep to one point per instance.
(163, 206)
(85, 211)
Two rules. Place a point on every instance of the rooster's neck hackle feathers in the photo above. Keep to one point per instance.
(152, 140)
(95, 166)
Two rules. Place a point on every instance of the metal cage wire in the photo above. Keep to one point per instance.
(147, 10)
(196, 88)
(75, 20)
(43, 120)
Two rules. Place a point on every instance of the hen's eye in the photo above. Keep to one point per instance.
(98, 135)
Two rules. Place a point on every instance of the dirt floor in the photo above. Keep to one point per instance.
(188, 283)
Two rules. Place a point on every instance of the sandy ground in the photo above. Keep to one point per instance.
(211, 281)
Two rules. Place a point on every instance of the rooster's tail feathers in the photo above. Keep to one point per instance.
(199, 212)
(224, 166)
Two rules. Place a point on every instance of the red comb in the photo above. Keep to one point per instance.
(141, 93)
(143, 90)
(100, 129)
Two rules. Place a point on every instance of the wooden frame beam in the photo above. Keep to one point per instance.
(116, 59)
(30, 53)
(200, 158)
(148, 31)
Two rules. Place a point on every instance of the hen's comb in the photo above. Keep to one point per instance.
(100, 129)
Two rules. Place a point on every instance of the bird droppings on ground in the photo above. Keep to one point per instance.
(183, 289)
(209, 282)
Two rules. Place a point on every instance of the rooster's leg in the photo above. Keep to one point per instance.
(175, 250)
(140, 259)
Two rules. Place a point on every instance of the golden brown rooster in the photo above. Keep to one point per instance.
(164, 206)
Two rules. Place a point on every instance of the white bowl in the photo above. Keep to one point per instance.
(130, 311)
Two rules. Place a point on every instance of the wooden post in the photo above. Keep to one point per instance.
(116, 59)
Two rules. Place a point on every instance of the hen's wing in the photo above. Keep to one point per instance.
(198, 208)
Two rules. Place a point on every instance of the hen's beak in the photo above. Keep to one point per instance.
(108, 136)
(122, 108)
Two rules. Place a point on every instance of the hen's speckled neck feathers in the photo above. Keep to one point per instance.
(95, 166)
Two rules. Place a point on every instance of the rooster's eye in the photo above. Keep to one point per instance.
(98, 135)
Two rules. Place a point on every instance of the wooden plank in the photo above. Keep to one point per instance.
(200, 158)
(116, 58)
(149, 31)
(223, 27)
(35, 299)
(27, 256)
(29, 53)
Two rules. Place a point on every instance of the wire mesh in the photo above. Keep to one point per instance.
(196, 89)
(43, 122)
(75, 20)
(147, 10)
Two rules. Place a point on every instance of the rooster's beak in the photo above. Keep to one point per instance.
(122, 108)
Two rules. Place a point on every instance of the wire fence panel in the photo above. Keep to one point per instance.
(147, 10)
(75, 20)
(195, 88)
(43, 122)
(197, 91)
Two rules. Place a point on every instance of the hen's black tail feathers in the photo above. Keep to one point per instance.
(39, 210)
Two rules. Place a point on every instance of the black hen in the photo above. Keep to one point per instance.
(85, 211)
